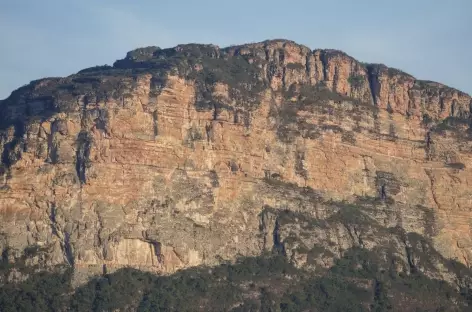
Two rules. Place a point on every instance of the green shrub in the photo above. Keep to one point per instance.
(356, 81)
(295, 66)
(456, 165)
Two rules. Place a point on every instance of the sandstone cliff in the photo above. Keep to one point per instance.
(195, 155)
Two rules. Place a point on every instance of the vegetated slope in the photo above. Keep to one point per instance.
(361, 279)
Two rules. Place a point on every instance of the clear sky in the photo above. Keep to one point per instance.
(430, 39)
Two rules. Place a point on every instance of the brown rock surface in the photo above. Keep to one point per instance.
(170, 158)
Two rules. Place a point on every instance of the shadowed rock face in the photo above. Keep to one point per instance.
(170, 158)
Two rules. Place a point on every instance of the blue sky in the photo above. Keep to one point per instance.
(430, 39)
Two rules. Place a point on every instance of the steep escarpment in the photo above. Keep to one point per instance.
(197, 155)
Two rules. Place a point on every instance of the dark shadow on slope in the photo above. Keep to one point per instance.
(357, 282)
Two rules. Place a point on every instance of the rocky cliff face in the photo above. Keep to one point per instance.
(195, 155)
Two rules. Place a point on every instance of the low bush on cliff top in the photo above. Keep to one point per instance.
(207, 65)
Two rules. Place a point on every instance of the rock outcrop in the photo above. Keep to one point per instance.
(174, 158)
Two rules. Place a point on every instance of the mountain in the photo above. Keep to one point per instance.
(260, 177)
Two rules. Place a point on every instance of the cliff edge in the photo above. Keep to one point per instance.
(195, 155)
